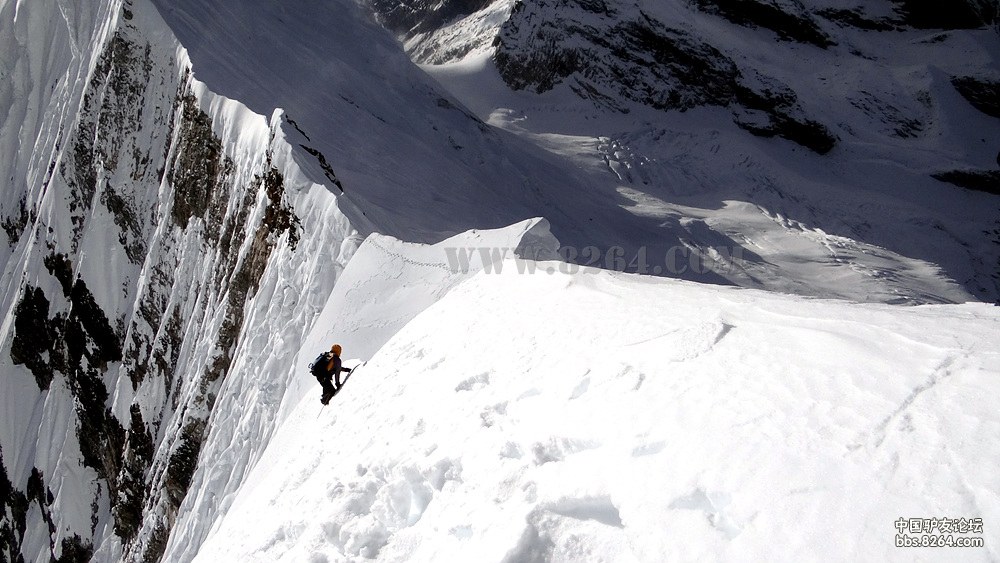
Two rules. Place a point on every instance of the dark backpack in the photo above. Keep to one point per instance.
(318, 367)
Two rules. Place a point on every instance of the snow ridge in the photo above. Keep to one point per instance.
(600, 416)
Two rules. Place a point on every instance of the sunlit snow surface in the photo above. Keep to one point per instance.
(602, 416)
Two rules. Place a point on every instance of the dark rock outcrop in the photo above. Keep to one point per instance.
(14, 507)
(789, 25)
(420, 16)
(956, 14)
(616, 57)
(979, 180)
(983, 94)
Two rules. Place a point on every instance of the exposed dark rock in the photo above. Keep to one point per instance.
(184, 461)
(419, 16)
(167, 351)
(200, 175)
(73, 549)
(983, 94)
(144, 354)
(416, 21)
(540, 64)
(279, 217)
(80, 173)
(640, 60)
(198, 164)
(13, 226)
(81, 341)
(105, 138)
(979, 180)
(38, 493)
(101, 435)
(36, 490)
(124, 72)
(107, 118)
(79, 345)
(60, 267)
(76, 550)
(612, 59)
(34, 334)
(810, 134)
(12, 528)
(899, 123)
(91, 344)
(798, 27)
(139, 450)
(94, 324)
(956, 14)
(294, 124)
(327, 169)
(697, 73)
(130, 233)
(157, 545)
(856, 18)
(235, 226)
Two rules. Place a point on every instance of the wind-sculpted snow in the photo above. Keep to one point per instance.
(601, 416)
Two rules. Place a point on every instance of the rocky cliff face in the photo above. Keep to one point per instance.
(616, 54)
(133, 255)
(662, 55)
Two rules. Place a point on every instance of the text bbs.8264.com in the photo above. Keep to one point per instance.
(939, 532)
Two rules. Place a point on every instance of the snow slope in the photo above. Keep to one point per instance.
(864, 221)
(385, 284)
(604, 416)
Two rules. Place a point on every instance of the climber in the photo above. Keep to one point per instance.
(327, 366)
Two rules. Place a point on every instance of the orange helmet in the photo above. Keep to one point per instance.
(336, 349)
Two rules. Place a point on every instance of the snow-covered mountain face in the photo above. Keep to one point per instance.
(186, 184)
(849, 136)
